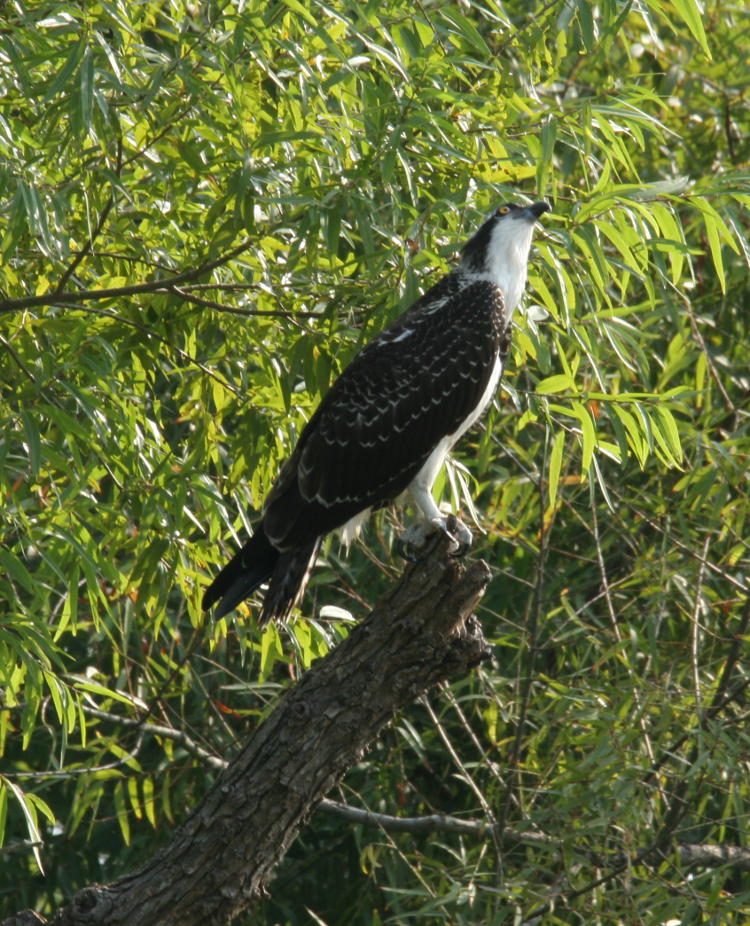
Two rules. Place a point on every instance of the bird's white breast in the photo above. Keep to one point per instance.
(428, 473)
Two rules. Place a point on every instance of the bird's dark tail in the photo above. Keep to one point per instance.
(244, 572)
(259, 561)
(288, 582)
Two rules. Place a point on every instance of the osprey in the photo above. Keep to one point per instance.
(387, 423)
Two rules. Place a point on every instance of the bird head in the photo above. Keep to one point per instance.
(499, 249)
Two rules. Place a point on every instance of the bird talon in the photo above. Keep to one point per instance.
(458, 534)
(461, 550)
(402, 548)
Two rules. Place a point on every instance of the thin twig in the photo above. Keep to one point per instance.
(529, 22)
(695, 624)
(531, 632)
(14, 354)
(493, 829)
(683, 547)
(491, 766)
(86, 249)
(178, 736)
(247, 313)
(108, 313)
(641, 720)
(658, 847)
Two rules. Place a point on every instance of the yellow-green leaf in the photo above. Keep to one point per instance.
(692, 15)
(555, 465)
(552, 385)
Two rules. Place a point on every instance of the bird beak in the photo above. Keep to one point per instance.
(536, 211)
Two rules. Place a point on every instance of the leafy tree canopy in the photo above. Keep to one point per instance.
(207, 208)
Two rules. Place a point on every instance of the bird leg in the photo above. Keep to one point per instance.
(433, 519)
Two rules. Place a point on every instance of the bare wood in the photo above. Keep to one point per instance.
(222, 856)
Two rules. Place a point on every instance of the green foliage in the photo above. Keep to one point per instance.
(206, 209)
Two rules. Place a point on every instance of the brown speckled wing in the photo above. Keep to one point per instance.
(410, 387)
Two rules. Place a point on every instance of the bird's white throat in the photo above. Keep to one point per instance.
(507, 259)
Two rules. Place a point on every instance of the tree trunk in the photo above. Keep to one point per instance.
(222, 856)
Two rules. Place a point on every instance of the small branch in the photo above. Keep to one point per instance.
(492, 829)
(530, 20)
(695, 625)
(708, 856)
(432, 823)
(120, 762)
(86, 249)
(19, 363)
(247, 313)
(178, 736)
(736, 857)
(701, 342)
(606, 588)
(489, 765)
(168, 284)
(659, 847)
(723, 695)
(724, 574)
(108, 313)
(24, 918)
(533, 618)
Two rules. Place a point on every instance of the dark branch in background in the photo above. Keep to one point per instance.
(222, 857)
(709, 856)
(168, 284)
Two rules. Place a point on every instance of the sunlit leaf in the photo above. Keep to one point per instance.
(555, 464)
(551, 385)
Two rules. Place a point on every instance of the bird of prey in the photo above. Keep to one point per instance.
(388, 422)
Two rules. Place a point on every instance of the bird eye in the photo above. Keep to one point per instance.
(503, 210)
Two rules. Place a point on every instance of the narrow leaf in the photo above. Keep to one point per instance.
(714, 244)
(552, 385)
(555, 465)
(692, 15)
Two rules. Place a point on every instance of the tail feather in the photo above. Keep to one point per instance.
(288, 582)
(259, 561)
(244, 572)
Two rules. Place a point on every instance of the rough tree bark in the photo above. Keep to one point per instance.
(222, 856)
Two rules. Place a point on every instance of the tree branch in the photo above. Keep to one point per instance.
(167, 284)
(700, 854)
(223, 855)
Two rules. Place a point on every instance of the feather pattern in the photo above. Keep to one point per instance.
(410, 387)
